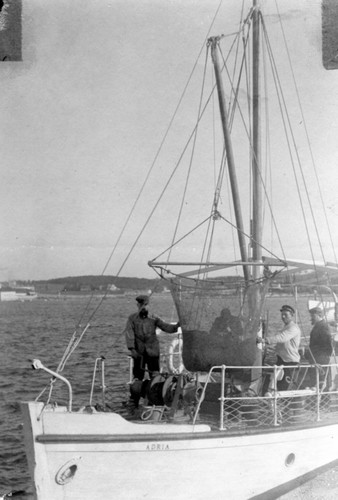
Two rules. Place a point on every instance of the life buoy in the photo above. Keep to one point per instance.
(175, 362)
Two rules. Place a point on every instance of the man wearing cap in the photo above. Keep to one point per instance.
(320, 346)
(287, 345)
(141, 339)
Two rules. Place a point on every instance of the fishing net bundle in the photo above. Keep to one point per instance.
(219, 323)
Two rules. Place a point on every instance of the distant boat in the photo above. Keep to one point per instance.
(22, 294)
(217, 426)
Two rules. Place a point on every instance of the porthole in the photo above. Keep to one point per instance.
(290, 459)
(67, 472)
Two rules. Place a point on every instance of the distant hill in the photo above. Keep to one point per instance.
(102, 282)
(305, 282)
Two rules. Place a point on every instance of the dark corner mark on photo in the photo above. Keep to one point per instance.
(330, 34)
(10, 30)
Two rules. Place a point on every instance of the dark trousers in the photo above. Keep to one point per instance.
(324, 373)
(140, 363)
(283, 385)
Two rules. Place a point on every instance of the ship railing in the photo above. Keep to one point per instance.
(103, 387)
(37, 365)
(299, 403)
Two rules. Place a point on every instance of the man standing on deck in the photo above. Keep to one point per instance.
(141, 339)
(320, 347)
(143, 344)
(287, 345)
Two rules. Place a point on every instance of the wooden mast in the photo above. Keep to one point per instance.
(256, 144)
(230, 157)
(257, 219)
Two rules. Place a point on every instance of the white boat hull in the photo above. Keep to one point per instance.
(101, 455)
(17, 297)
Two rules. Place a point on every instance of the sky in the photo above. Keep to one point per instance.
(83, 114)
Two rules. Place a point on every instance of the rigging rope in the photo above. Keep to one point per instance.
(289, 132)
(75, 340)
(162, 141)
(312, 162)
(286, 120)
(192, 153)
(234, 104)
(181, 239)
(307, 136)
(248, 134)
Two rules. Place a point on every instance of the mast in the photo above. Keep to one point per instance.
(230, 157)
(257, 219)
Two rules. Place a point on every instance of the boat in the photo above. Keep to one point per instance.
(213, 424)
(17, 293)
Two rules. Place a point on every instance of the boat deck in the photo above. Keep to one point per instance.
(245, 411)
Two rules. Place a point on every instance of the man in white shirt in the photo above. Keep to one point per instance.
(287, 345)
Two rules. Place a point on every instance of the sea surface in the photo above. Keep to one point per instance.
(41, 329)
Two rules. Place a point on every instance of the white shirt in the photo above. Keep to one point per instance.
(288, 341)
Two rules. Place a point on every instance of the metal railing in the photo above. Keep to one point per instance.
(37, 365)
(101, 360)
(298, 404)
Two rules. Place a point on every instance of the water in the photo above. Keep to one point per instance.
(41, 329)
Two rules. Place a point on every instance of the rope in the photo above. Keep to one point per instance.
(312, 161)
(161, 144)
(181, 239)
(308, 141)
(192, 152)
(285, 114)
(75, 339)
(194, 134)
(248, 134)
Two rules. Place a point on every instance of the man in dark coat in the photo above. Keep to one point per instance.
(320, 347)
(141, 339)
